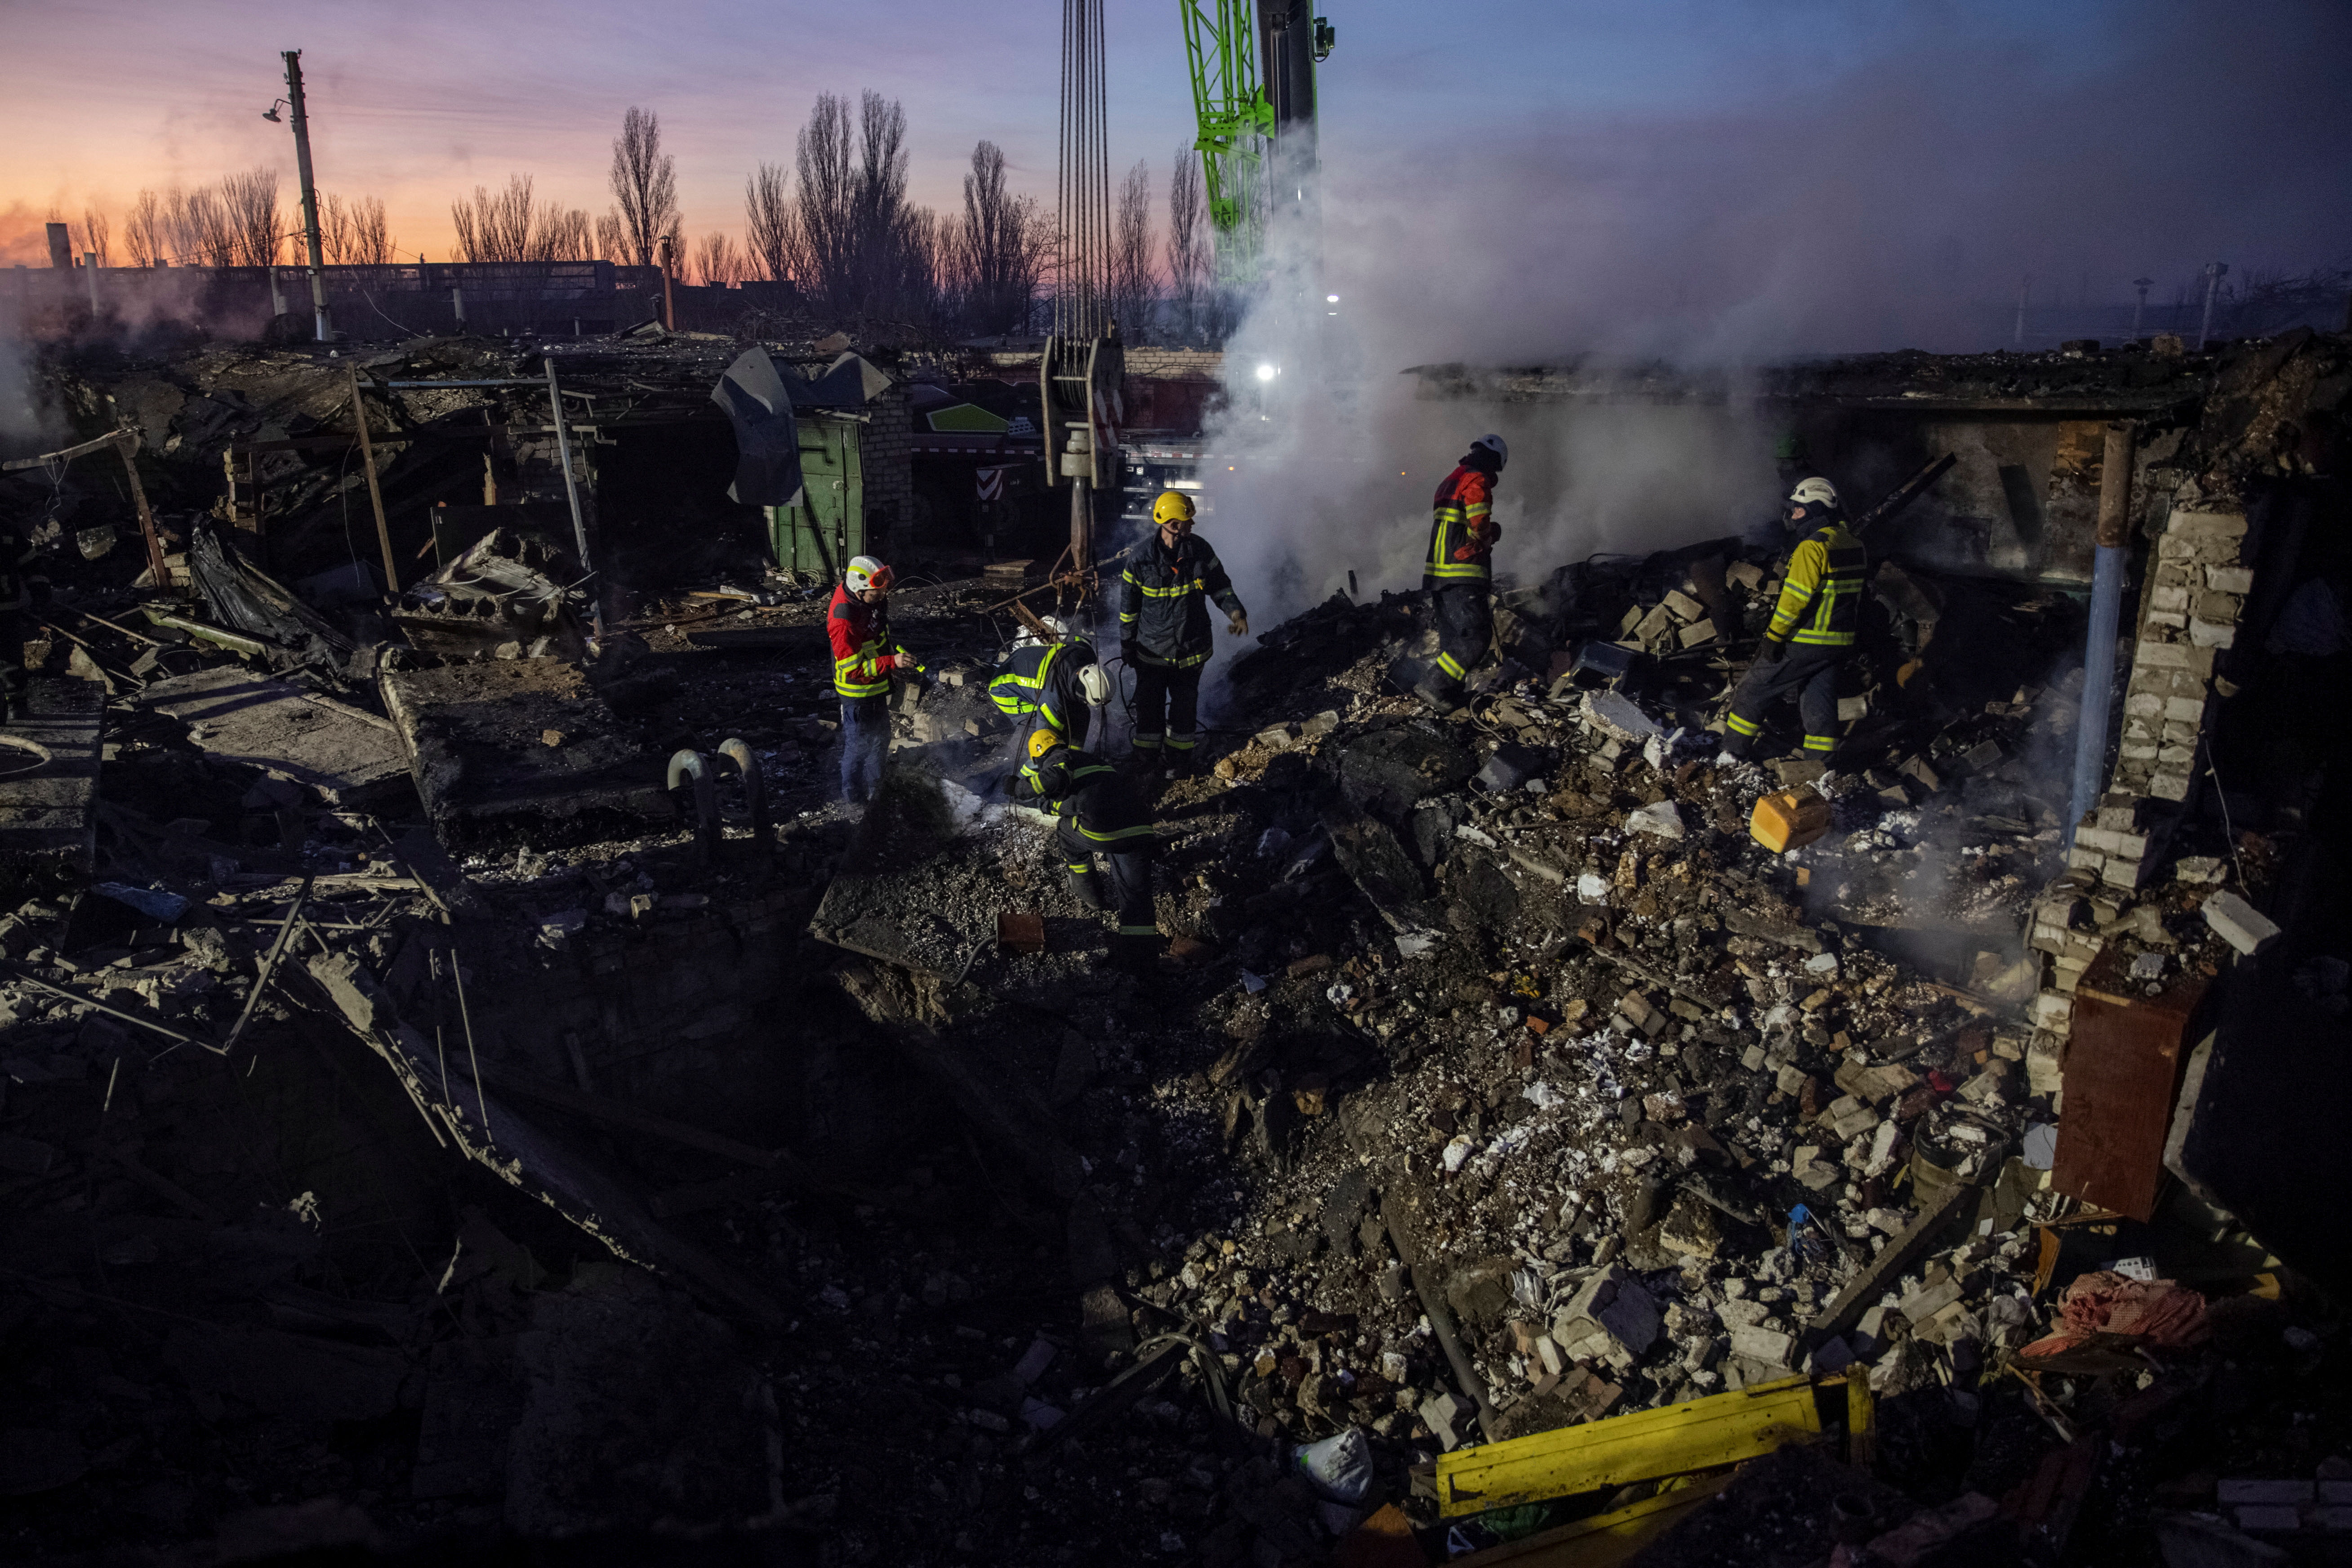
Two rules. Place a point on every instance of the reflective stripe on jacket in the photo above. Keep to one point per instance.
(1043, 679)
(864, 652)
(1163, 596)
(1462, 530)
(1102, 805)
(1821, 593)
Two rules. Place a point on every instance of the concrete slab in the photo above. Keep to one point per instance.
(474, 739)
(49, 777)
(242, 716)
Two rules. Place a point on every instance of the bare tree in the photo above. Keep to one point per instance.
(369, 243)
(998, 248)
(512, 224)
(1188, 245)
(143, 234)
(200, 232)
(613, 240)
(1133, 290)
(250, 203)
(716, 260)
(889, 237)
(93, 234)
(770, 233)
(335, 222)
(826, 205)
(644, 186)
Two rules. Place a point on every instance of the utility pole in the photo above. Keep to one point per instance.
(309, 193)
(2143, 285)
(2214, 272)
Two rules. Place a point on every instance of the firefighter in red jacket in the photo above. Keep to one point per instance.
(865, 656)
(1458, 572)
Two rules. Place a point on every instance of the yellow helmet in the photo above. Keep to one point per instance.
(1042, 740)
(1173, 506)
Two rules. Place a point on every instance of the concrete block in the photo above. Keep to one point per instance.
(2206, 525)
(2171, 620)
(1763, 1344)
(2219, 607)
(2084, 858)
(1684, 606)
(2098, 838)
(2161, 598)
(2230, 579)
(2187, 709)
(2211, 634)
(2188, 683)
(2144, 705)
(2169, 786)
(2239, 924)
(2174, 756)
(2138, 750)
(2161, 655)
(1697, 632)
(2179, 731)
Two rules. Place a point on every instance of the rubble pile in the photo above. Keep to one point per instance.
(467, 1081)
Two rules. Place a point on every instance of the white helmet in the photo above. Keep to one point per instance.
(1815, 491)
(1093, 684)
(864, 572)
(1494, 444)
(1027, 637)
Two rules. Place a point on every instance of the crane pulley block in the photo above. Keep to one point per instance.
(1079, 380)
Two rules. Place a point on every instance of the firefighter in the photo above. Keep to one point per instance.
(1054, 686)
(865, 656)
(1820, 612)
(1102, 813)
(1458, 570)
(1163, 631)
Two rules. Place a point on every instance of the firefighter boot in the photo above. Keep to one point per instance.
(1086, 886)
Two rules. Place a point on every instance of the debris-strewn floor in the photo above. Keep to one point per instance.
(567, 1184)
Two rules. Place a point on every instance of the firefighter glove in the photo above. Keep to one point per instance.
(1239, 625)
(1770, 652)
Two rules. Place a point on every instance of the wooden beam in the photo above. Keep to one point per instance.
(375, 492)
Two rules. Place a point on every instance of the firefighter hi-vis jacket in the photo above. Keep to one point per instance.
(1462, 530)
(1042, 680)
(1097, 804)
(1162, 601)
(864, 653)
(1821, 595)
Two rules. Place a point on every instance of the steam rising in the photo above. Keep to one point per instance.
(1899, 206)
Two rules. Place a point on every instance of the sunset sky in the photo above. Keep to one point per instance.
(1960, 143)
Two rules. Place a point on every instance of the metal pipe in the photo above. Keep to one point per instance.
(572, 494)
(2106, 616)
(310, 191)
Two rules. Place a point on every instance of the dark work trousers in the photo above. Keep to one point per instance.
(1466, 625)
(1810, 672)
(865, 744)
(1167, 708)
(1135, 939)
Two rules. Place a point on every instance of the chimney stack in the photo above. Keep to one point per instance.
(60, 247)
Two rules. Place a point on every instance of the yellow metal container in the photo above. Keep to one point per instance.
(1793, 816)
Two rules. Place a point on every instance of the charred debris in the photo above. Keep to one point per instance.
(470, 1093)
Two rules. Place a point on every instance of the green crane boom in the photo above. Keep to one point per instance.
(1240, 117)
(1236, 125)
